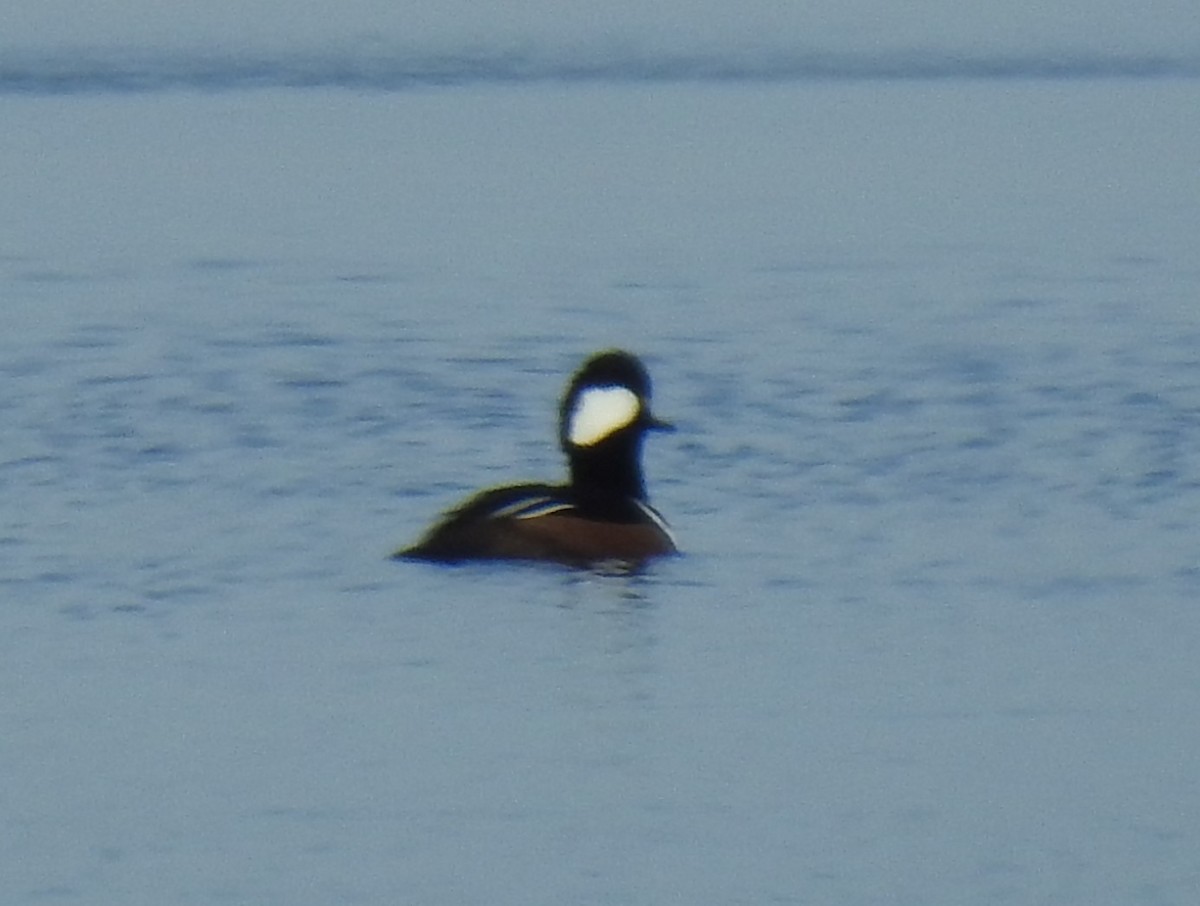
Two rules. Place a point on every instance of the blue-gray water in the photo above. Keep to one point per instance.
(933, 346)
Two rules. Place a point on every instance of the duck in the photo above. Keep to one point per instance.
(600, 515)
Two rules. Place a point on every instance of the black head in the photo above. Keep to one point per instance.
(604, 416)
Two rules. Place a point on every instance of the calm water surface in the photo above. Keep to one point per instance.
(934, 353)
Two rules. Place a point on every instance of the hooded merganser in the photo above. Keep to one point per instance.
(601, 514)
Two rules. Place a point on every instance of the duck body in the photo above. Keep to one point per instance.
(544, 522)
(602, 514)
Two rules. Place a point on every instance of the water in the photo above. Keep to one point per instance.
(933, 349)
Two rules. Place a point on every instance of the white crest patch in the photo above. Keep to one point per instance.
(599, 411)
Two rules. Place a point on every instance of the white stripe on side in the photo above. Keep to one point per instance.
(656, 517)
(545, 510)
(530, 508)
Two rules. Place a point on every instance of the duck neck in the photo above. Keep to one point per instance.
(611, 469)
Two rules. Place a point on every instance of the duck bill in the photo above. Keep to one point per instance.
(657, 424)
